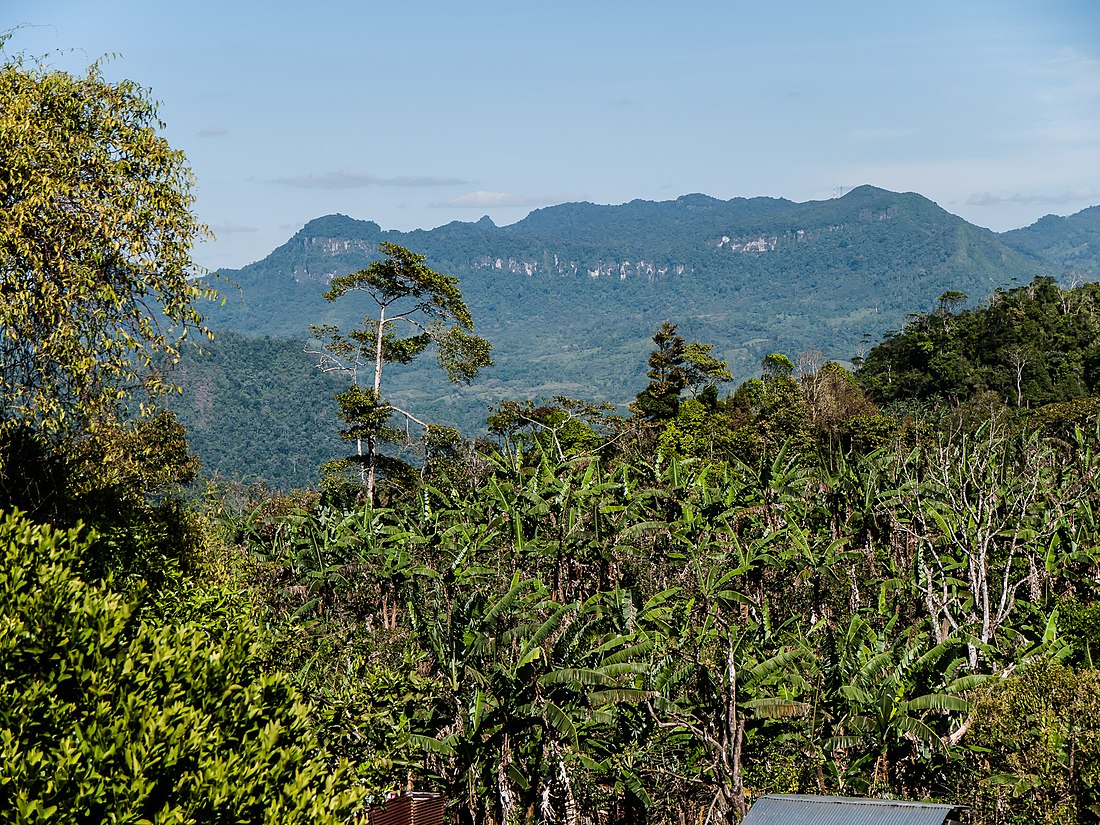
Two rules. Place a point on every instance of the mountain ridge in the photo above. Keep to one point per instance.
(680, 236)
(571, 294)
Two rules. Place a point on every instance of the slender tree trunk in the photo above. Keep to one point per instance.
(359, 439)
(734, 735)
(362, 466)
(504, 787)
(377, 392)
(378, 351)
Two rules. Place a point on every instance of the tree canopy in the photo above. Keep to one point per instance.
(676, 365)
(1033, 345)
(96, 232)
(106, 717)
(406, 292)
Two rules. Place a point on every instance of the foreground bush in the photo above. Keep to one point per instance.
(105, 718)
(1038, 735)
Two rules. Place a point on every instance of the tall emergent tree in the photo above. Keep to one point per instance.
(410, 296)
(675, 366)
(96, 232)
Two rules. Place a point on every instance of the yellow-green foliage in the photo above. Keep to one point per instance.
(695, 432)
(95, 245)
(104, 718)
(1040, 734)
(1060, 419)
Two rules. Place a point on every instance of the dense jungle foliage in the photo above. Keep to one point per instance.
(1030, 346)
(548, 633)
(259, 408)
(816, 583)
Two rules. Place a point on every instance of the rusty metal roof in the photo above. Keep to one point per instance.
(411, 808)
(782, 809)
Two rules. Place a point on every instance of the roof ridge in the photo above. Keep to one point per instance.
(857, 800)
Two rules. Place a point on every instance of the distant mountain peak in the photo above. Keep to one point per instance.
(865, 190)
(696, 200)
(338, 226)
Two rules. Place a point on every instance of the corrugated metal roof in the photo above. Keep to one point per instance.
(408, 809)
(782, 809)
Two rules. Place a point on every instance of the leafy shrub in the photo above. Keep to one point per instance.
(104, 718)
(1038, 733)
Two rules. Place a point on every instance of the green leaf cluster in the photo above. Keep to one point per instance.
(1033, 345)
(95, 246)
(676, 365)
(107, 718)
(1039, 730)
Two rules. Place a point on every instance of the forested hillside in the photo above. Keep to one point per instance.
(1070, 243)
(570, 296)
(751, 275)
(1032, 345)
(259, 409)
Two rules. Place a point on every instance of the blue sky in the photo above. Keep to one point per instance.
(415, 114)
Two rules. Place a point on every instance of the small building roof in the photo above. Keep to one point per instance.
(784, 809)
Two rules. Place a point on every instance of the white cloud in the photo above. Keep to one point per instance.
(357, 179)
(228, 227)
(480, 199)
(1035, 198)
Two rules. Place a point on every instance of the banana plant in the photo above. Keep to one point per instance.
(716, 680)
(896, 701)
(530, 683)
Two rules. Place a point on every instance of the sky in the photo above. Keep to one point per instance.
(416, 114)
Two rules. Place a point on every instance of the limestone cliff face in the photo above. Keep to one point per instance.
(756, 244)
(555, 265)
(339, 246)
(328, 246)
(320, 248)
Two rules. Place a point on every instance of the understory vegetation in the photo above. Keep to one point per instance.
(545, 632)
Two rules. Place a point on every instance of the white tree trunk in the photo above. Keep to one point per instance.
(377, 392)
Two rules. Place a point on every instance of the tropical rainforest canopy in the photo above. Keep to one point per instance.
(881, 582)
